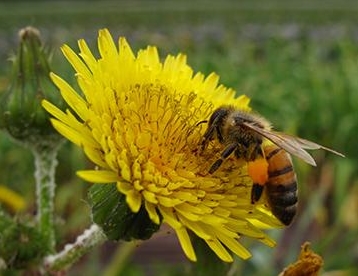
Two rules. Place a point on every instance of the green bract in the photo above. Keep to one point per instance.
(111, 212)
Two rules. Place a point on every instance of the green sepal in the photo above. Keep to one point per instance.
(111, 212)
(21, 244)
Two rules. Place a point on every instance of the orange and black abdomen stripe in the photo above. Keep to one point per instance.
(281, 186)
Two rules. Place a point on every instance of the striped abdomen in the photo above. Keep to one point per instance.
(281, 186)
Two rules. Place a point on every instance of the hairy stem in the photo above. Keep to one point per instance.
(45, 164)
(72, 252)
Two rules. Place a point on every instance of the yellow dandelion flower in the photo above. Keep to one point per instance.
(137, 120)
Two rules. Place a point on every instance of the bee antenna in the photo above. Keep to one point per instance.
(202, 122)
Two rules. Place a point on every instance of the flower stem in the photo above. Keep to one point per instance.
(72, 252)
(120, 258)
(45, 164)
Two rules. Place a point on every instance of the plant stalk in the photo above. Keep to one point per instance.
(45, 164)
(72, 252)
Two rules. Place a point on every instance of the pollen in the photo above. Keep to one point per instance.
(258, 170)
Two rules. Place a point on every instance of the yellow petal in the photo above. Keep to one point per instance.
(75, 61)
(98, 176)
(71, 97)
(169, 217)
(68, 132)
(185, 243)
(134, 200)
(152, 212)
(234, 246)
(219, 249)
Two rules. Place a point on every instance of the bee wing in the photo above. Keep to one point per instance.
(292, 144)
(306, 144)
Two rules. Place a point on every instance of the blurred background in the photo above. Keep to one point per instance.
(296, 60)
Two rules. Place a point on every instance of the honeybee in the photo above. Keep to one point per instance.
(242, 133)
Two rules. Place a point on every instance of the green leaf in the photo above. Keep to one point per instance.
(111, 212)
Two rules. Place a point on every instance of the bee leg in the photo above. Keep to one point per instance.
(219, 135)
(251, 152)
(214, 127)
(256, 192)
(207, 137)
(258, 151)
(225, 154)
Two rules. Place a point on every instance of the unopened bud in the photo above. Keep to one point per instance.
(21, 113)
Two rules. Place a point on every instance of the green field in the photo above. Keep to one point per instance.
(297, 61)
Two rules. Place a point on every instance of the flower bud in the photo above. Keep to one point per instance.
(21, 114)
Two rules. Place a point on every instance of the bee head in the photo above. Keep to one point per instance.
(219, 115)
